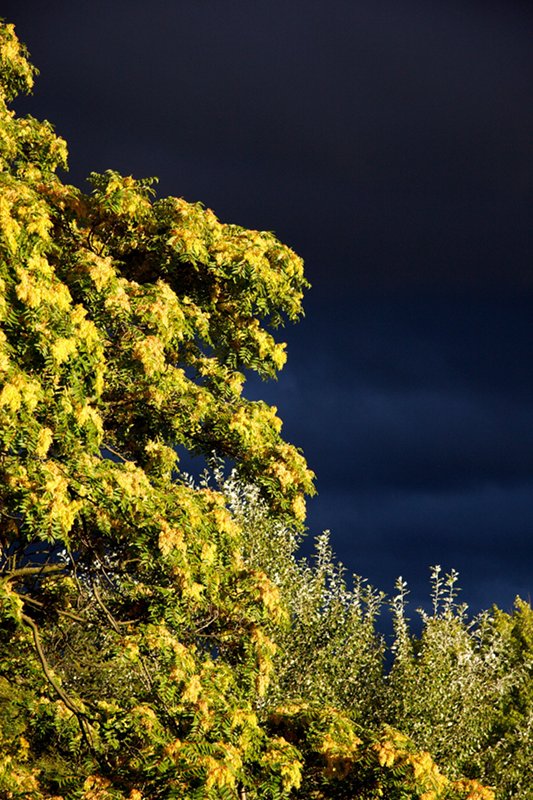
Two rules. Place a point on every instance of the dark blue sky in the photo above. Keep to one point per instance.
(390, 144)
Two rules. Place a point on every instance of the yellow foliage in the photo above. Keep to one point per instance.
(9, 228)
(150, 351)
(426, 772)
(146, 717)
(270, 595)
(193, 590)
(21, 391)
(265, 650)
(10, 598)
(10, 397)
(172, 749)
(209, 552)
(283, 758)
(171, 538)
(36, 286)
(132, 481)
(17, 780)
(88, 414)
(63, 348)
(96, 787)
(118, 298)
(218, 773)
(3, 310)
(87, 331)
(101, 270)
(224, 521)
(57, 503)
(299, 508)
(282, 473)
(12, 56)
(43, 442)
(136, 319)
(243, 717)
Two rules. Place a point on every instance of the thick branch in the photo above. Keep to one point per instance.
(25, 572)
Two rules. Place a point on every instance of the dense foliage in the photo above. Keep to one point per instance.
(159, 638)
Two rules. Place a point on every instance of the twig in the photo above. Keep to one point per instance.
(208, 623)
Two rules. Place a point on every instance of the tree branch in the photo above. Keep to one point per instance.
(78, 713)
(115, 452)
(25, 572)
(38, 604)
(104, 608)
(46, 667)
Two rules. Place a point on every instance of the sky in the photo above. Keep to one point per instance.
(388, 142)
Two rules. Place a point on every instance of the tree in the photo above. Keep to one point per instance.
(136, 639)
(331, 653)
(462, 689)
(127, 323)
(332, 694)
(508, 753)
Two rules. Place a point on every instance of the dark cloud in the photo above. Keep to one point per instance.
(386, 93)
(390, 144)
(420, 428)
(387, 140)
(483, 533)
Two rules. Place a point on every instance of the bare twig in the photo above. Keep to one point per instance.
(208, 623)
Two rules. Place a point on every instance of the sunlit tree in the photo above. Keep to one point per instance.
(132, 625)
